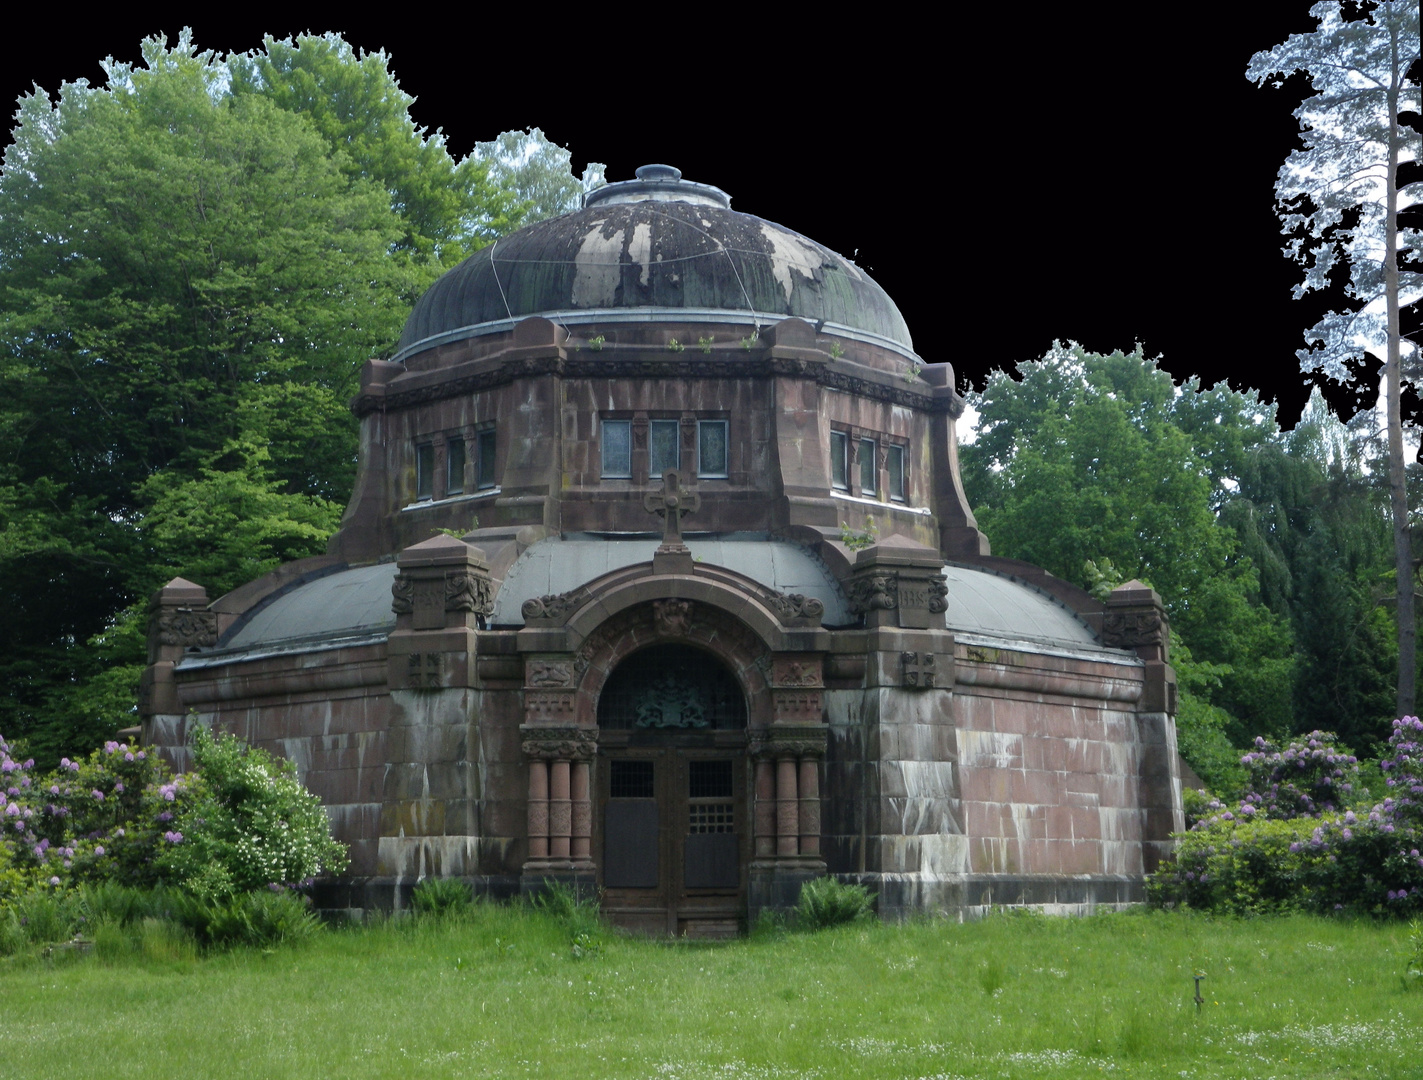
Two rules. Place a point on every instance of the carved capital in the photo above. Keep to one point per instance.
(469, 591)
(787, 740)
(559, 743)
(938, 595)
(402, 595)
(187, 627)
(873, 592)
(1133, 629)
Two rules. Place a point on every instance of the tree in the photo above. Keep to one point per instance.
(539, 172)
(1340, 197)
(1086, 457)
(189, 283)
(448, 208)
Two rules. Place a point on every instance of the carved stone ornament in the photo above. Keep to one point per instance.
(424, 671)
(549, 673)
(559, 743)
(672, 618)
(918, 669)
(873, 592)
(188, 627)
(796, 606)
(803, 741)
(1132, 629)
(469, 592)
(552, 606)
(938, 595)
(402, 593)
(795, 673)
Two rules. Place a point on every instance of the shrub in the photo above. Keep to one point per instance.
(260, 919)
(248, 825)
(827, 902)
(439, 897)
(1278, 852)
(1305, 779)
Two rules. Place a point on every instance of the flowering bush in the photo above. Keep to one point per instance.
(1285, 847)
(249, 824)
(1305, 779)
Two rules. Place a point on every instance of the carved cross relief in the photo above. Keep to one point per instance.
(670, 504)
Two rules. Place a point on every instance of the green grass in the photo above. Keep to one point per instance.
(501, 993)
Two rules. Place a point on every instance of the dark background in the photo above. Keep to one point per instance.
(1101, 175)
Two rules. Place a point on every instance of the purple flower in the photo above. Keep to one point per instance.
(118, 832)
(173, 837)
(99, 850)
(141, 755)
(128, 757)
(54, 881)
(118, 788)
(98, 795)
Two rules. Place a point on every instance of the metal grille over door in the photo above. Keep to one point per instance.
(630, 824)
(710, 856)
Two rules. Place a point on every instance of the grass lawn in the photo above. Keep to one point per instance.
(502, 994)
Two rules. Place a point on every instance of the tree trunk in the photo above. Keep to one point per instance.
(1393, 377)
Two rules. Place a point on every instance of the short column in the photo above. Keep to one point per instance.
(582, 813)
(765, 809)
(560, 811)
(787, 808)
(538, 809)
(809, 806)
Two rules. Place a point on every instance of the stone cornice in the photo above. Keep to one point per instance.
(757, 364)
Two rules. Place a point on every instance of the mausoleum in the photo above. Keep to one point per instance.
(659, 579)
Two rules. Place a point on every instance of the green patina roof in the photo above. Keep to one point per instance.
(655, 254)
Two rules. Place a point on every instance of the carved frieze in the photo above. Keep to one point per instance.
(796, 673)
(873, 592)
(549, 673)
(797, 706)
(188, 627)
(550, 703)
(566, 743)
(796, 606)
(672, 618)
(1132, 629)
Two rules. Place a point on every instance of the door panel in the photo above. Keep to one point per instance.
(630, 857)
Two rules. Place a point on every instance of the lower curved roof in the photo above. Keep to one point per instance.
(356, 601)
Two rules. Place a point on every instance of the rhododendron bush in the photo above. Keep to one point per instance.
(240, 821)
(1294, 842)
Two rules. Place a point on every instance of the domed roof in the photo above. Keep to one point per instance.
(657, 242)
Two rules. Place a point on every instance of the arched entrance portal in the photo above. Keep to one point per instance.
(671, 831)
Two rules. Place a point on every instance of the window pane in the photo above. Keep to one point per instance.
(485, 476)
(666, 449)
(711, 448)
(896, 473)
(617, 448)
(454, 467)
(839, 476)
(868, 467)
(425, 471)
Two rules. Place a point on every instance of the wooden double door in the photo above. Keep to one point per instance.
(671, 832)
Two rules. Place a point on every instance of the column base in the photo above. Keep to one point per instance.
(579, 875)
(775, 884)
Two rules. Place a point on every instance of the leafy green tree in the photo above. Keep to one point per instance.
(448, 209)
(1086, 457)
(189, 282)
(539, 172)
(1340, 197)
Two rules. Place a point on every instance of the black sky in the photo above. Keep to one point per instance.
(1101, 175)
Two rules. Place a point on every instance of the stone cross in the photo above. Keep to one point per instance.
(670, 505)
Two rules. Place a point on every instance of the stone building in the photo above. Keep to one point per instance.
(721, 619)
